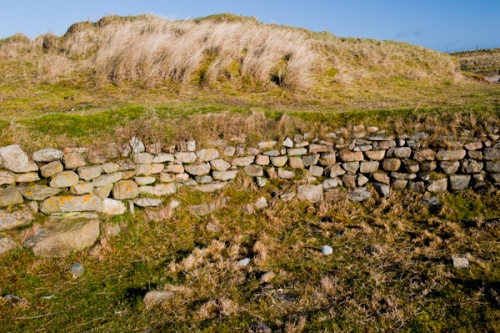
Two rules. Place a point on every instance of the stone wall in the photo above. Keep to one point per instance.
(111, 179)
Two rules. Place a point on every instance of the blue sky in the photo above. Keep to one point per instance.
(443, 25)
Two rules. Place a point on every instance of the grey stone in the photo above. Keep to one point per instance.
(362, 180)
(296, 163)
(490, 154)
(288, 143)
(68, 203)
(382, 189)
(327, 159)
(113, 207)
(424, 155)
(411, 166)
(10, 196)
(159, 189)
(229, 151)
(285, 174)
(330, 183)
(162, 158)
(450, 155)
(262, 160)
(492, 167)
(76, 269)
(206, 155)
(310, 160)
(147, 202)
(438, 186)
(47, 155)
(375, 155)
(315, 149)
(316, 171)
(143, 158)
(326, 250)
(50, 169)
(279, 161)
(16, 160)
(185, 157)
(261, 203)
(349, 181)
(89, 172)
(369, 167)
(7, 177)
(27, 177)
(260, 181)
(296, 151)
(243, 161)
(336, 170)
(207, 188)
(472, 166)
(175, 168)
(311, 193)
(399, 184)
(359, 195)
(460, 263)
(6, 244)
(428, 166)
(198, 169)
(143, 169)
(145, 180)
(253, 170)
(110, 167)
(416, 187)
(382, 178)
(106, 179)
(203, 209)
(349, 156)
(220, 165)
(224, 175)
(391, 164)
(449, 167)
(272, 153)
(64, 238)
(82, 188)
(156, 297)
(125, 189)
(103, 191)
(403, 152)
(12, 220)
(136, 145)
(351, 167)
(204, 179)
(73, 160)
(459, 182)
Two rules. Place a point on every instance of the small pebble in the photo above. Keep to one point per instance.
(268, 276)
(244, 262)
(77, 269)
(460, 262)
(326, 250)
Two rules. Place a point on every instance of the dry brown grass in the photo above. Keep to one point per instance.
(147, 50)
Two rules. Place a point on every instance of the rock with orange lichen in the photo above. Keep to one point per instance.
(68, 203)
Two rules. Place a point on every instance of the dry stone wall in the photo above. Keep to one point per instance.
(111, 179)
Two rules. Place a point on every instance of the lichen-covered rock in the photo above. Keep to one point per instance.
(106, 179)
(103, 191)
(51, 169)
(64, 179)
(11, 220)
(10, 196)
(27, 177)
(459, 182)
(207, 155)
(47, 155)
(82, 188)
(311, 193)
(125, 189)
(16, 160)
(64, 238)
(110, 167)
(68, 203)
(141, 181)
(38, 192)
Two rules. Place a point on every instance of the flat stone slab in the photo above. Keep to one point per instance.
(147, 202)
(11, 220)
(10, 196)
(38, 192)
(64, 238)
(207, 188)
(7, 177)
(47, 155)
(224, 175)
(16, 160)
(68, 203)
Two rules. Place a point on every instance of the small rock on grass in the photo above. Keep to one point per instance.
(460, 262)
(76, 269)
(326, 250)
(244, 262)
(260, 327)
(268, 276)
(156, 297)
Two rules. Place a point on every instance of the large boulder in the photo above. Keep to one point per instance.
(64, 238)
(16, 160)
(68, 203)
(10, 196)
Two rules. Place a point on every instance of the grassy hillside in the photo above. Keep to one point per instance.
(485, 62)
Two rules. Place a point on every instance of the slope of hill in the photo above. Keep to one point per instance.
(224, 55)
